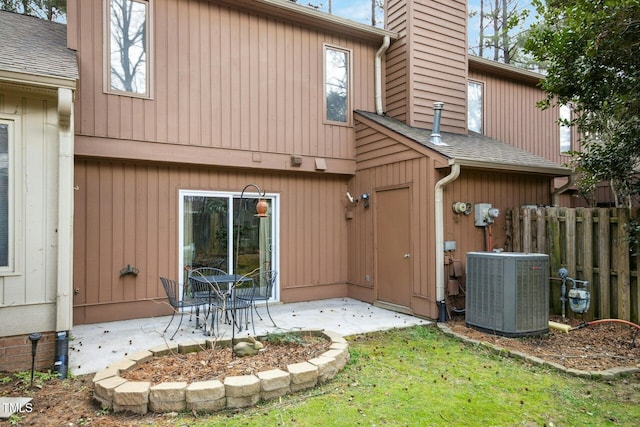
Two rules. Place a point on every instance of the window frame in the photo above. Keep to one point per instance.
(149, 69)
(231, 196)
(13, 203)
(349, 76)
(565, 131)
(481, 84)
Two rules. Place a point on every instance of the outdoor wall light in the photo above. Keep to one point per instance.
(365, 198)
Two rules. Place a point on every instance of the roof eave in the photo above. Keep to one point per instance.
(504, 70)
(306, 15)
(511, 167)
(40, 80)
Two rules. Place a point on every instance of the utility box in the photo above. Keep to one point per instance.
(508, 293)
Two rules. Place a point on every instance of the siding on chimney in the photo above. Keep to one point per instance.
(428, 62)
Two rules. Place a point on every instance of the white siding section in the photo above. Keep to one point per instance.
(28, 295)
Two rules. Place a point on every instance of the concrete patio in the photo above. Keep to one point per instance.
(95, 346)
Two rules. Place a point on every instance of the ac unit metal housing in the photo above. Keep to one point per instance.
(508, 293)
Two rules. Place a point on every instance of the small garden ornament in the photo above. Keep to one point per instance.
(247, 348)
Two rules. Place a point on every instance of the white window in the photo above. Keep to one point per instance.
(565, 130)
(209, 231)
(127, 53)
(337, 71)
(7, 128)
(475, 105)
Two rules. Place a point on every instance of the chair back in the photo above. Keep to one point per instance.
(206, 286)
(172, 289)
(245, 287)
(265, 283)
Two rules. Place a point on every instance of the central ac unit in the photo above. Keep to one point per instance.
(508, 293)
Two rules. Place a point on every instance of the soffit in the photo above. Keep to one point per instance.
(504, 70)
(309, 17)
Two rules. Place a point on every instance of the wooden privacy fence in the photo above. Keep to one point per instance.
(592, 244)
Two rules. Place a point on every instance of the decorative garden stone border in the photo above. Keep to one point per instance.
(120, 395)
(608, 374)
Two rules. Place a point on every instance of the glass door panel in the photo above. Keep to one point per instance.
(206, 232)
(252, 237)
(208, 221)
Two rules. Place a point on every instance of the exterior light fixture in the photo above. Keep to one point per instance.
(34, 338)
(365, 198)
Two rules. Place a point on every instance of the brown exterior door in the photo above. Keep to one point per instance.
(393, 254)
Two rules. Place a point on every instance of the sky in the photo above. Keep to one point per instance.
(355, 10)
(474, 22)
(360, 11)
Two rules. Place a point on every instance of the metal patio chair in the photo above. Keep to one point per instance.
(203, 285)
(178, 304)
(242, 300)
(263, 285)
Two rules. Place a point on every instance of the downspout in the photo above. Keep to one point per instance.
(64, 291)
(556, 194)
(439, 206)
(378, 74)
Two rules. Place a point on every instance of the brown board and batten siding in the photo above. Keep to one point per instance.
(432, 50)
(397, 78)
(386, 160)
(222, 78)
(511, 114)
(127, 214)
(237, 89)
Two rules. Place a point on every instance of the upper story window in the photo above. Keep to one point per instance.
(337, 71)
(475, 106)
(6, 135)
(565, 130)
(128, 47)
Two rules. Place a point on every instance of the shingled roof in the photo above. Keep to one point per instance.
(473, 150)
(35, 46)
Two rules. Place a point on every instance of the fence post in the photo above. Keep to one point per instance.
(527, 236)
(604, 266)
(516, 235)
(553, 231)
(624, 280)
(570, 240)
(586, 237)
(541, 231)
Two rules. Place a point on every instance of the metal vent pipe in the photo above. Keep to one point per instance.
(437, 117)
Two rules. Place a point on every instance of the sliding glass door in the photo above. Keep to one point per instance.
(221, 230)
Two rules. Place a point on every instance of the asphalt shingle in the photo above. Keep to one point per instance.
(35, 46)
(473, 147)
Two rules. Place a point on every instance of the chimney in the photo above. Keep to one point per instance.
(427, 63)
(435, 138)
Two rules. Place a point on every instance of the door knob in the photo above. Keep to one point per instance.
(407, 255)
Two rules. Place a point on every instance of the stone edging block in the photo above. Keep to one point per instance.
(120, 395)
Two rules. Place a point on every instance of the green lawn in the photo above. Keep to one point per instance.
(420, 377)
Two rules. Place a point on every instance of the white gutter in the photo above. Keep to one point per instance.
(439, 205)
(378, 73)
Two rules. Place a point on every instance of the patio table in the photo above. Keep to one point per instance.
(225, 283)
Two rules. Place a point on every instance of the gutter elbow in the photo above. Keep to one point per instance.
(378, 73)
